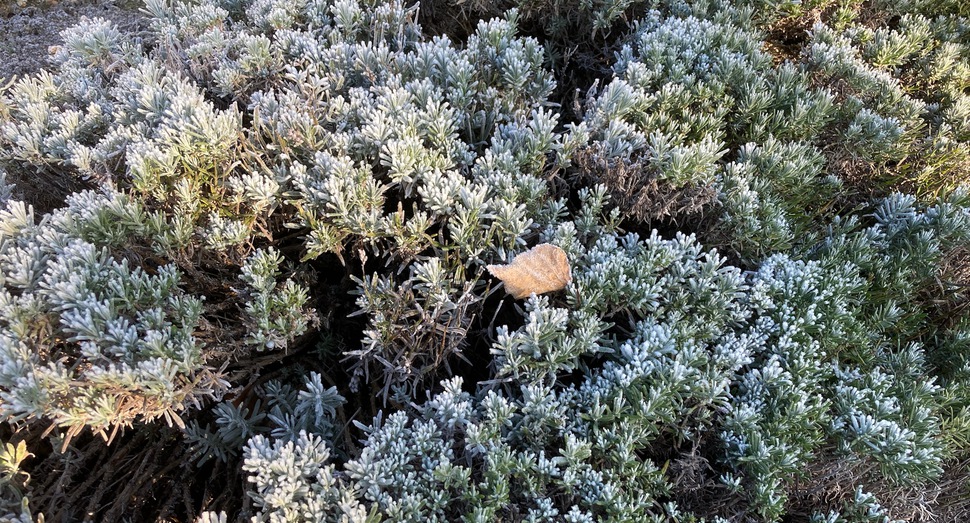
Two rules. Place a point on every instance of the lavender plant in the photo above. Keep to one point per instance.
(88, 340)
(281, 256)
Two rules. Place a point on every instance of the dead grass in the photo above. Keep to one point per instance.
(952, 299)
(832, 482)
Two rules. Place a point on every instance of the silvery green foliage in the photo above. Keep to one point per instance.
(955, 396)
(811, 311)
(551, 341)
(87, 340)
(233, 426)
(155, 119)
(377, 137)
(623, 278)
(275, 407)
(884, 117)
(689, 90)
(765, 360)
(617, 279)
(108, 114)
(899, 252)
(276, 313)
(775, 421)
(312, 408)
(222, 233)
(687, 86)
(293, 481)
(888, 414)
(433, 158)
(900, 86)
(782, 361)
(931, 47)
(367, 126)
(764, 193)
(543, 450)
(579, 442)
(53, 117)
(862, 508)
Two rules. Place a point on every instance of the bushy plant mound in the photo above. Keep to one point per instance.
(273, 297)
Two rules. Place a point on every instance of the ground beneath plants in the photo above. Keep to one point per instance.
(28, 28)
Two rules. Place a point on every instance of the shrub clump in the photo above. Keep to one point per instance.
(282, 255)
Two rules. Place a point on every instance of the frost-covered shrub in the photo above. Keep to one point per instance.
(369, 138)
(114, 117)
(88, 340)
(702, 80)
(775, 422)
(373, 146)
(810, 312)
(690, 92)
(888, 415)
(898, 87)
(762, 350)
(783, 363)
(418, 466)
(299, 156)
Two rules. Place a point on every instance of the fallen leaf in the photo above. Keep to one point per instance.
(543, 268)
